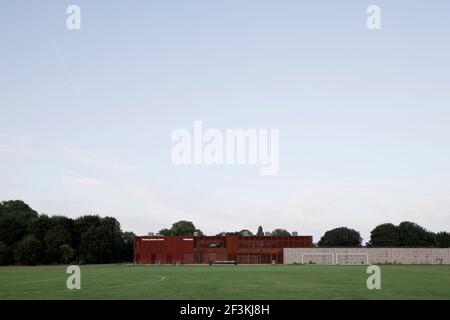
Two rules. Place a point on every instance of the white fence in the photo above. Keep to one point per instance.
(367, 255)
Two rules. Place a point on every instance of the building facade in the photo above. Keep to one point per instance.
(215, 249)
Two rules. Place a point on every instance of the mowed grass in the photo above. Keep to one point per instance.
(225, 282)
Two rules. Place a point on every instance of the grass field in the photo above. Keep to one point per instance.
(225, 282)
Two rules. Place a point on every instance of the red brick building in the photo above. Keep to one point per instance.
(216, 249)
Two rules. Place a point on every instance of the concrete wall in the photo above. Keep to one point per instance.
(367, 255)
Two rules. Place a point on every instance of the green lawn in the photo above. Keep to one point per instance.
(225, 282)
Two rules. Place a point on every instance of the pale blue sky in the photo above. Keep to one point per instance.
(364, 116)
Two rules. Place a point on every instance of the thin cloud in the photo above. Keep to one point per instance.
(64, 67)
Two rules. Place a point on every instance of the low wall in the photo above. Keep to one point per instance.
(367, 255)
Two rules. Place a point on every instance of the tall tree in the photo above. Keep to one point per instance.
(29, 251)
(413, 235)
(181, 228)
(340, 237)
(82, 225)
(16, 218)
(54, 239)
(128, 246)
(443, 239)
(244, 232)
(5, 254)
(165, 232)
(66, 222)
(40, 226)
(260, 231)
(17, 207)
(67, 252)
(102, 243)
(281, 233)
(385, 235)
(237, 233)
(27, 237)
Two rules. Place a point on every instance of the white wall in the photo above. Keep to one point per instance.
(365, 255)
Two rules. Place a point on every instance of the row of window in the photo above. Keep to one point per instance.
(253, 244)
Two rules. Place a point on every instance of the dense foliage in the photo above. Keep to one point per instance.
(443, 239)
(29, 238)
(281, 233)
(385, 235)
(260, 231)
(340, 237)
(407, 234)
(181, 228)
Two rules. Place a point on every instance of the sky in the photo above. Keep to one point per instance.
(86, 115)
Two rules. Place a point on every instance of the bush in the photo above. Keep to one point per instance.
(54, 239)
(67, 252)
(5, 254)
(29, 251)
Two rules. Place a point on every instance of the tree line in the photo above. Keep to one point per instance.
(406, 234)
(29, 238)
(187, 228)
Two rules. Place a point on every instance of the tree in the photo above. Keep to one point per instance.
(260, 231)
(54, 239)
(15, 220)
(29, 251)
(443, 239)
(281, 233)
(102, 243)
(237, 233)
(385, 235)
(181, 228)
(66, 252)
(82, 225)
(5, 254)
(245, 231)
(67, 223)
(413, 235)
(40, 226)
(17, 207)
(165, 232)
(41, 238)
(340, 237)
(96, 246)
(128, 246)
